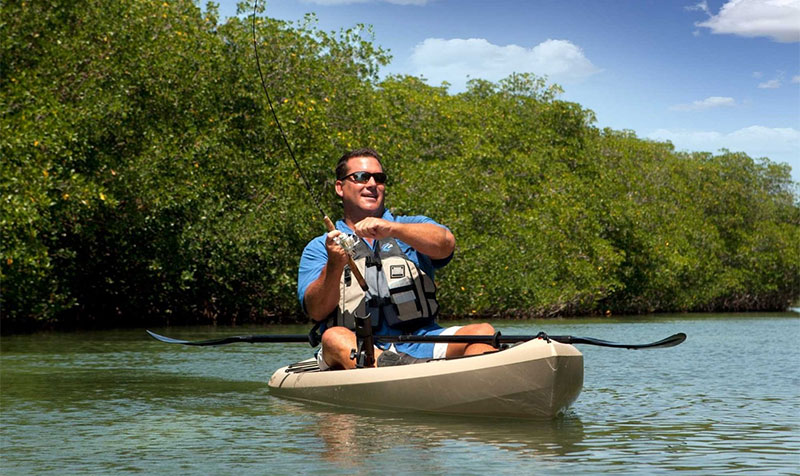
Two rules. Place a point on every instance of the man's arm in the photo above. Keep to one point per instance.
(435, 241)
(322, 295)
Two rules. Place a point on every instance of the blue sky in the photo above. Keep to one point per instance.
(704, 75)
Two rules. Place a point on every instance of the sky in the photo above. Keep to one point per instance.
(704, 75)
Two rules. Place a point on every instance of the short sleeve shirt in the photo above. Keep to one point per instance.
(315, 255)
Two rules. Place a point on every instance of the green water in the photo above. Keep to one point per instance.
(727, 401)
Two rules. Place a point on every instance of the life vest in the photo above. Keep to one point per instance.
(398, 290)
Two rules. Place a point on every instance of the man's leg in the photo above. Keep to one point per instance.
(337, 343)
(457, 350)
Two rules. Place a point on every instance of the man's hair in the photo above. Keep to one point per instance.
(341, 166)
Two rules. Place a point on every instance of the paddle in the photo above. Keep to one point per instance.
(494, 340)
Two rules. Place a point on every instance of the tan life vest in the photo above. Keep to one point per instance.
(399, 292)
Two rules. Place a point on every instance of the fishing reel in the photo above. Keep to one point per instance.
(347, 242)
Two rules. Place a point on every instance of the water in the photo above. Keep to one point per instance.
(727, 401)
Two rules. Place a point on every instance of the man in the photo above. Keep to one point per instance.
(398, 256)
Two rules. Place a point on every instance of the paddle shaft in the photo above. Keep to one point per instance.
(494, 340)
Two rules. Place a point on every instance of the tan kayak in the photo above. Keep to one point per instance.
(537, 378)
(534, 379)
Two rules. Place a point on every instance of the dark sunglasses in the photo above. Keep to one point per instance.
(363, 177)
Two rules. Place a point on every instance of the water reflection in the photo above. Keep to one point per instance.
(725, 402)
(352, 436)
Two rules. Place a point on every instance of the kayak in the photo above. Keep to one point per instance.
(532, 379)
(537, 377)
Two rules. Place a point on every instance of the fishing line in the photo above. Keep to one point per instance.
(364, 354)
(275, 116)
(345, 241)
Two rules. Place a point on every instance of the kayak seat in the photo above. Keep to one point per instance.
(389, 358)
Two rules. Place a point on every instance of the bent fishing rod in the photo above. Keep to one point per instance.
(328, 223)
(364, 329)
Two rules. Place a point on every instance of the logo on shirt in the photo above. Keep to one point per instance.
(386, 247)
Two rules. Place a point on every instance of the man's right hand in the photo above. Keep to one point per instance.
(336, 254)
(322, 295)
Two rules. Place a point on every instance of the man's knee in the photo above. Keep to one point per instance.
(337, 338)
(483, 328)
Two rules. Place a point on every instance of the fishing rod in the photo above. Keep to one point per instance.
(280, 128)
(345, 241)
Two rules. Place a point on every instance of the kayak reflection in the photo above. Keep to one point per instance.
(350, 436)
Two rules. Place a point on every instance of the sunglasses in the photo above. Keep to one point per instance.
(363, 177)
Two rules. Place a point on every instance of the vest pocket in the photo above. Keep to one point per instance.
(404, 295)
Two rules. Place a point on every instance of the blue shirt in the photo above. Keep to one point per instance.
(315, 255)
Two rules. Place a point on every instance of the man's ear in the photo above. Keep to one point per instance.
(339, 190)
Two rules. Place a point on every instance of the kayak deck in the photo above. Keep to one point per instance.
(535, 379)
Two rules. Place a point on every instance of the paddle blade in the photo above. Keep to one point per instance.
(222, 341)
(168, 340)
(233, 339)
(670, 341)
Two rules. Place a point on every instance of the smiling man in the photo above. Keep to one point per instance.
(397, 256)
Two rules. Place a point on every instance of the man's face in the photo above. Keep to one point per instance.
(367, 197)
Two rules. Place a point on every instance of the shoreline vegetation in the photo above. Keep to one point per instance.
(144, 182)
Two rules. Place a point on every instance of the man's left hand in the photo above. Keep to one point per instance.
(374, 228)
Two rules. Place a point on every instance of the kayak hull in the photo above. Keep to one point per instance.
(534, 379)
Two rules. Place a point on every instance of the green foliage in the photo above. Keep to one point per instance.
(143, 178)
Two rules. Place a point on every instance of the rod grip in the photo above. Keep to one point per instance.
(353, 268)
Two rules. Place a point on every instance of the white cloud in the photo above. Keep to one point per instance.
(779, 144)
(758, 74)
(707, 103)
(453, 60)
(776, 19)
(771, 84)
(796, 79)
(774, 83)
(702, 6)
